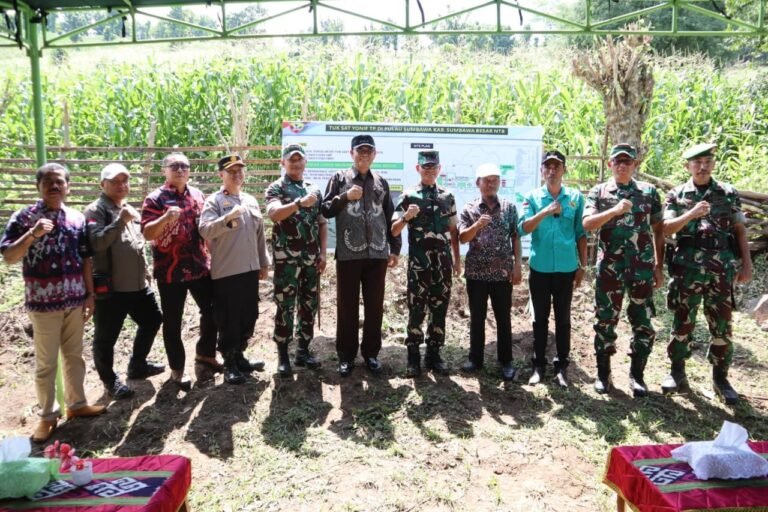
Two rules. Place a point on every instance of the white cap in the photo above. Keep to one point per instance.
(485, 170)
(111, 171)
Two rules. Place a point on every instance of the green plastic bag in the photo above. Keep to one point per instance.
(25, 477)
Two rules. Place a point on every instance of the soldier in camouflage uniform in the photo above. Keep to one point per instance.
(429, 211)
(628, 218)
(708, 224)
(299, 238)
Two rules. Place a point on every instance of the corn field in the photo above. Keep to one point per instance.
(114, 105)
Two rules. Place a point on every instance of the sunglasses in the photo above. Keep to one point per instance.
(429, 166)
(178, 166)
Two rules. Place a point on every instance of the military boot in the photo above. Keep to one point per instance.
(603, 382)
(283, 361)
(636, 381)
(232, 374)
(722, 387)
(677, 380)
(304, 357)
(433, 361)
(413, 368)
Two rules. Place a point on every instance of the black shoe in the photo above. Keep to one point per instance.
(345, 368)
(144, 370)
(283, 361)
(304, 358)
(636, 380)
(677, 380)
(374, 365)
(232, 374)
(471, 367)
(603, 382)
(433, 361)
(118, 390)
(413, 367)
(248, 365)
(508, 372)
(722, 387)
(181, 380)
(537, 376)
(561, 378)
(204, 372)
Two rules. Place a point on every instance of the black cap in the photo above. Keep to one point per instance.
(362, 140)
(553, 155)
(230, 160)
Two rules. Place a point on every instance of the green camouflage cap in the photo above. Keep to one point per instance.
(699, 150)
(624, 149)
(429, 157)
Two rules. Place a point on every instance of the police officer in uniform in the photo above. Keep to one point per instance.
(706, 218)
(429, 211)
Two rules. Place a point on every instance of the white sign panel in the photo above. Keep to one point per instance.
(515, 149)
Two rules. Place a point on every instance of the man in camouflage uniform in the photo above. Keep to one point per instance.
(708, 223)
(299, 238)
(429, 211)
(628, 218)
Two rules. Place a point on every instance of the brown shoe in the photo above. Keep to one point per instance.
(44, 431)
(214, 365)
(86, 411)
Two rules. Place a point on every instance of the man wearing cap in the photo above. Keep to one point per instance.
(359, 200)
(299, 245)
(558, 256)
(121, 282)
(231, 222)
(706, 218)
(492, 266)
(429, 211)
(628, 219)
(50, 240)
(181, 264)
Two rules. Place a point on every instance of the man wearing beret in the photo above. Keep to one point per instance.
(121, 282)
(231, 222)
(627, 216)
(299, 244)
(492, 267)
(359, 200)
(706, 218)
(552, 214)
(429, 211)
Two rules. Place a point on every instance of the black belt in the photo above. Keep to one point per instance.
(703, 243)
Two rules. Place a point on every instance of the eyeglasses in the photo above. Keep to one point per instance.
(178, 166)
(623, 161)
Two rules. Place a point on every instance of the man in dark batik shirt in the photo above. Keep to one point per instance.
(182, 263)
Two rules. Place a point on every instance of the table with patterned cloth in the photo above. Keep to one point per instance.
(152, 483)
(648, 479)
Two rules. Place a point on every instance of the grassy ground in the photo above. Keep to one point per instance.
(317, 442)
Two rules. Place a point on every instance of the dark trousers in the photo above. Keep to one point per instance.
(500, 293)
(236, 308)
(548, 289)
(108, 320)
(172, 299)
(350, 275)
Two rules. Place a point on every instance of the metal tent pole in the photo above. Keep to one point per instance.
(33, 26)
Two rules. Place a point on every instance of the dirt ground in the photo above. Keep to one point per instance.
(318, 442)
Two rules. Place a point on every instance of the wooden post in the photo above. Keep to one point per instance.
(149, 155)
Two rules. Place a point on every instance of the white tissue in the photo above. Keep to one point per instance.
(15, 448)
(727, 457)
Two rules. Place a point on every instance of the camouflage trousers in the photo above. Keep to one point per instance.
(687, 289)
(295, 296)
(429, 291)
(609, 295)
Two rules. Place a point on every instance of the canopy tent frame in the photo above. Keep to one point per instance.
(26, 29)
